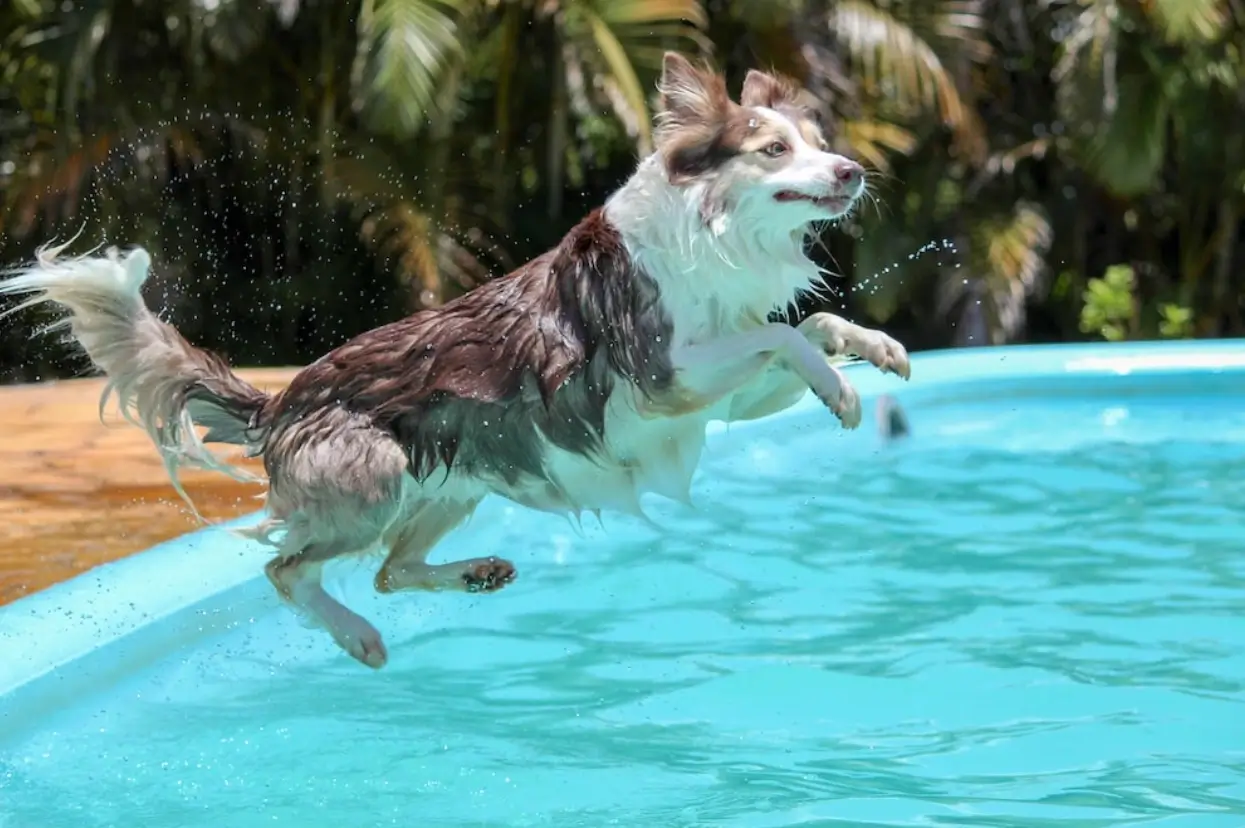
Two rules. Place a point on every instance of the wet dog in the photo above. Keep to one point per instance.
(576, 383)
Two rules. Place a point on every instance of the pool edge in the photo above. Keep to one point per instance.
(49, 628)
(46, 630)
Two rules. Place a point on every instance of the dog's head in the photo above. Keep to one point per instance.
(764, 159)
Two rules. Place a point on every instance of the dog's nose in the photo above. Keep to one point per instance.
(848, 172)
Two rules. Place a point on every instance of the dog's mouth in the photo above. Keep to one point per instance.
(830, 203)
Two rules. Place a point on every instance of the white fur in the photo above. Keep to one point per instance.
(147, 362)
(809, 169)
(716, 278)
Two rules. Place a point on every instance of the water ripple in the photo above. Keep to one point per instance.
(987, 626)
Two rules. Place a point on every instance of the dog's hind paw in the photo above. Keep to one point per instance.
(488, 574)
(362, 641)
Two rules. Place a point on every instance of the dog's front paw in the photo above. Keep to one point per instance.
(838, 337)
(848, 411)
(883, 351)
(842, 400)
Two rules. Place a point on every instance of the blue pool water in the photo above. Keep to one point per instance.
(1028, 614)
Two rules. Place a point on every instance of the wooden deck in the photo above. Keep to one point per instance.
(75, 492)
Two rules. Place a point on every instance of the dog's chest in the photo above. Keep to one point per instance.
(657, 455)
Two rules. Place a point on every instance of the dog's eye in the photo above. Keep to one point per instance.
(775, 149)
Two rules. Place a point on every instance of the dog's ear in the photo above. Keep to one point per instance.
(770, 91)
(690, 95)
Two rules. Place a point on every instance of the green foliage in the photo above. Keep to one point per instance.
(1175, 322)
(280, 156)
(1109, 308)
(406, 49)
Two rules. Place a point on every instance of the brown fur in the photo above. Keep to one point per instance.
(535, 355)
(701, 128)
(784, 96)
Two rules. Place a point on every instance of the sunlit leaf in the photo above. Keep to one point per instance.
(1005, 265)
(1013, 252)
(1109, 304)
(1013, 249)
(874, 141)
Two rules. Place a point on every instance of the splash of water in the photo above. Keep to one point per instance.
(872, 284)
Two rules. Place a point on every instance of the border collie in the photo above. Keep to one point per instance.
(576, 383)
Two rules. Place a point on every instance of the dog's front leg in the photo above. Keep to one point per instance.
(777, 388)
(838, 337)
(713, 370)
(774, 390)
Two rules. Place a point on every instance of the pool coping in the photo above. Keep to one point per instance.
(47, 630)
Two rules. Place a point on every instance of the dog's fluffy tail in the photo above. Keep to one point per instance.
(162, 382)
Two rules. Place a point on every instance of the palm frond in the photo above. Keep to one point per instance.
(1006, 265)
(1126, 152)
(1191, 20)
(437, 253)
(435, 259)
(630, 102)
(407, 45)
(961, 24)
(874, 141)
(1014, 247)
(1111, 100)
(895, 62)
(404, 235)
(620, 38)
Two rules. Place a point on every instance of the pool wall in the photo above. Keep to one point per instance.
(104, 624)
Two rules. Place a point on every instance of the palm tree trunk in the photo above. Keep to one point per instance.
(557, 138)
(1222, 303)
(501, 114)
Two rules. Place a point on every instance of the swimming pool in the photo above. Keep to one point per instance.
(1029, 613)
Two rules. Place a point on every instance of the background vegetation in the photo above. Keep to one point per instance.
(302, 170)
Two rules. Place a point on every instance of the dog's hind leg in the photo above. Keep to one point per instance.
(337, 486)
(297, 579)
(407, 568)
